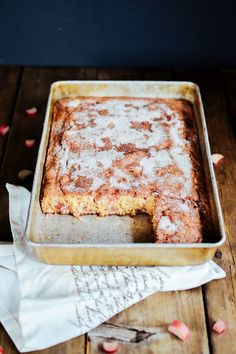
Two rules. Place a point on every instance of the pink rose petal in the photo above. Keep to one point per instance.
(24, 173)
(110, 346)
(4, 129)
(31, 111)
(219, 326)
(216, 158)
(179, 329)
(2, 351)
(29, 143)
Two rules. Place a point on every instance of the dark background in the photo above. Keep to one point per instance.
(145, 33)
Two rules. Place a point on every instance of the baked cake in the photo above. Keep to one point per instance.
(123, 156)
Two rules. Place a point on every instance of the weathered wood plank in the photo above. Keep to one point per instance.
(9, 81)
(133, 74)
(6, 342)
(153, 316)
(220, 296)
(157, 311)
(229, 85)
(73, 346)
(33, 91)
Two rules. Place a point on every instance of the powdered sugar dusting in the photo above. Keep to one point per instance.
(123, 144)
(122, 118)
(156, 159)
(166, 225)
(73, 103)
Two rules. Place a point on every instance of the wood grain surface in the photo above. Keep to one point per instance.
(9, 84)
(142, 327)
(220, 296)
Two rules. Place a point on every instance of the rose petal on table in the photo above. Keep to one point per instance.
(216, 158)
(2, 351)
(4, 129)
(29, 143)
(110, 346)
(31, 111)
(179, 329)
(24, 173)
(219, 326)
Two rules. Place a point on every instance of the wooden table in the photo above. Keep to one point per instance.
(21, 88)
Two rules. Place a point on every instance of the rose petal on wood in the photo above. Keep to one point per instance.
(31, 111)
(29, 143)
(179, 329)
(216, 158)
(4, 129)
(219, 326)
(110, 346)
(24, 173)
(2, 351)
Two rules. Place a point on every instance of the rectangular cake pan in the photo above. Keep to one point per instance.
(114, 240)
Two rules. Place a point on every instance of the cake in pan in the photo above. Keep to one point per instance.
(124, 156)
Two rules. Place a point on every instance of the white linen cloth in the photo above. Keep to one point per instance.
(42, 305)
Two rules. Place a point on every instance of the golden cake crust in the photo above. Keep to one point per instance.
(120, 155)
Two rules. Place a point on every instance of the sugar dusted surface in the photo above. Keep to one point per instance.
(178, 220)
(115, 141)
(123, 146)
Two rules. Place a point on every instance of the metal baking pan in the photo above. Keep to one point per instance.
(115, 240)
